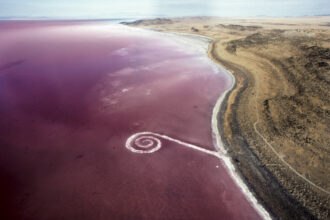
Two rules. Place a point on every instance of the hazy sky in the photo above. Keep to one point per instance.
(152, 8)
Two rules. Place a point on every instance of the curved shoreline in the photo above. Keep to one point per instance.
(248, 187)
(256, 165)
(220, 146)
(233, 169)
(244, 166)
(251, 51)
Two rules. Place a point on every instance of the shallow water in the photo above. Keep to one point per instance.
(70, 96)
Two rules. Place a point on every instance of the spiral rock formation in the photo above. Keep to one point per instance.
(143, 142)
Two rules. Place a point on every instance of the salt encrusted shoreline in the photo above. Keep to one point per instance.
(203, 44)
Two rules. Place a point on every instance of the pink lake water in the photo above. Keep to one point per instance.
(70, 96)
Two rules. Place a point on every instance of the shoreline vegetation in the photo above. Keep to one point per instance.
(275, 122)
